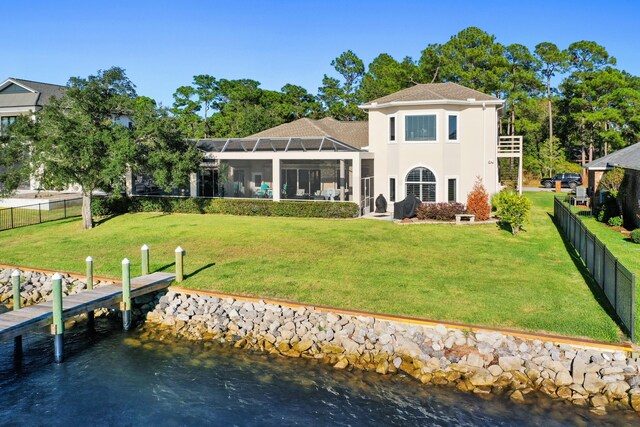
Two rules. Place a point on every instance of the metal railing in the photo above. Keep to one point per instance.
(616, 282)
(39, 212)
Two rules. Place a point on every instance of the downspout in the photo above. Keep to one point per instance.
(484, 142)
(499, 128)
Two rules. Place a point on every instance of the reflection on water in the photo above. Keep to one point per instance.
(115, 378)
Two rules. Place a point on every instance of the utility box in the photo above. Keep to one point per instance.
(558, 186)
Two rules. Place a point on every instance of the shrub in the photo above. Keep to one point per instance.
(513, 209)
(110, 205)
(252, 207)
(439, 211)
(635, 235)
(615, 221)
(478, 201)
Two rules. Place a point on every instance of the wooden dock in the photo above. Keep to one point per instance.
(19, 322)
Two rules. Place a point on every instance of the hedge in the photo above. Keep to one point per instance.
(251, 207)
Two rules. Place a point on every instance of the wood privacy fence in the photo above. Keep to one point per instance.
(615, 281)
(39, 212)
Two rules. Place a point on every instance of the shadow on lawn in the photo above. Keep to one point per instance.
(597, 293)
(204, 267)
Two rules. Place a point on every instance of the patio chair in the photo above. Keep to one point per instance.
(300, 192)
(581, 197)
(337, 195)
(330, 193)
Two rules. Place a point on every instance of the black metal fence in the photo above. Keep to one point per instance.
(39, 212)
(614, 279)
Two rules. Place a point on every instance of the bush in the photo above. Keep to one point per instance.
(251, 207)
(635, 235)
(615, 221)
(478, 201)
(110, 205)
(439, 211)
(513, 209)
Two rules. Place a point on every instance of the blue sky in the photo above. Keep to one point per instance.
(162, 44)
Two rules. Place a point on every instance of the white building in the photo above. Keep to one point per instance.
(429, 140)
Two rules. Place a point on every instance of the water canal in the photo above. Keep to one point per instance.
(115, 378)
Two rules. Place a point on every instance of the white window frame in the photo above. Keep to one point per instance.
(436, 182)
(404, 126)
(395, 122)
(457, 140)
(446, 187)
(389, 178)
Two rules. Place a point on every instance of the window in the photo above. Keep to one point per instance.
(392, 189)
(452, 133)
(6, 121)
(392, 128)
(421, 182)
(451, 190)
(420, 128)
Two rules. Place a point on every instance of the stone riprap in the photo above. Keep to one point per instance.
(478, 362)
(35, 287)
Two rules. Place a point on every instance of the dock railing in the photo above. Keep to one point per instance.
(615, 280)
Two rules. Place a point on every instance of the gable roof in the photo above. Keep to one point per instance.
(355, 134)
(433, 93)
(628, 157)
(37, 94)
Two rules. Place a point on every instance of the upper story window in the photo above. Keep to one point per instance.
(5, 121)
(392, 129)
(420, 128)
(452, 131)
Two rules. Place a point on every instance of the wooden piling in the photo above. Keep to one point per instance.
(125, 306)
(145, 259)
(58, 323)
(179, 264)
(15, 281)
(90, 314)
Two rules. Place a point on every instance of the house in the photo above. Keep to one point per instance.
(429, 140)
(627, 158)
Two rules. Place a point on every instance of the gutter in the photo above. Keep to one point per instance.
(376, 106)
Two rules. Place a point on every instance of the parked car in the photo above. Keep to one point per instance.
(568, 180)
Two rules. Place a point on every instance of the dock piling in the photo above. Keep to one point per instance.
(58, 323)
(179, 264)
(15, 281)
(90, 314)
(125, 306)
(145, 259)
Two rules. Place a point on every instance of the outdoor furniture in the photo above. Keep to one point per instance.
(300, 192)
(262, 191)
(470, 217)
(580, 197)
(330, 193)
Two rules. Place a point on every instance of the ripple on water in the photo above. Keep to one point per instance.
(111, 377)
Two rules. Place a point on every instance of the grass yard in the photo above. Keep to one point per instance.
(475, 274)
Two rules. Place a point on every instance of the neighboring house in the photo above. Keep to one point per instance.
(430, 140)
(627, 158)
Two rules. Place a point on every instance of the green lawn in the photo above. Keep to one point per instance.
(475, 274)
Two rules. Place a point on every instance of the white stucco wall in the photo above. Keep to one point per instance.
(473, 155)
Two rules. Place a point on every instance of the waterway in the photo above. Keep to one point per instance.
(111, 377)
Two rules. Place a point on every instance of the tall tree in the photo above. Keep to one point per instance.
(206, 88)
(78, 138)
(341, 97)
(553, 61)
(385, 75)
(185, 110)
(520, 80)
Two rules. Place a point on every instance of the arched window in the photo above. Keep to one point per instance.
(421, 182)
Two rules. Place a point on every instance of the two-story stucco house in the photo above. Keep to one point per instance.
(429, 140)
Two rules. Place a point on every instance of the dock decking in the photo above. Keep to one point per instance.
(27, 319)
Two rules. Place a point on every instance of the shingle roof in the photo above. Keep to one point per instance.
(628, 157)
(46, 90)
(433, 92)
(41, 97)
(355, 134)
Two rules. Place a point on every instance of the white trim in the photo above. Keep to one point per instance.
(446, 187)
(457, 116)
(431, 102)
(389, 187)
(420, 141)
(4, 84)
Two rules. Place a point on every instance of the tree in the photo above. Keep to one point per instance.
(341, 97)
(206, 89)
(478, 201)
(552, 60)
(14, 157)
(513, 210)
(185, 110)
(385, 75)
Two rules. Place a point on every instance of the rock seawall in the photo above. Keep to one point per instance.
(478, 362)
